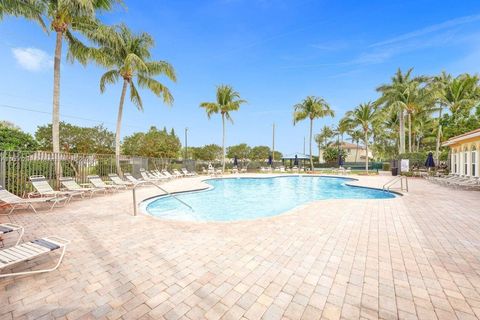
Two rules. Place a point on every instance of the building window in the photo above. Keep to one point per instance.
(465, 163)
(473, 173)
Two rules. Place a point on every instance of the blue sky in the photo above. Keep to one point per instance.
(274, 52)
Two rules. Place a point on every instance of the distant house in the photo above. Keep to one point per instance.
(353, 152)
(464, 153)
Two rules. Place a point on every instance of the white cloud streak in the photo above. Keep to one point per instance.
(32, 59)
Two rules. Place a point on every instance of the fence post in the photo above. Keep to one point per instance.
(2, 169)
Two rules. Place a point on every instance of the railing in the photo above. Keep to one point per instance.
(387, 186)
(156, 185)
(17, 166)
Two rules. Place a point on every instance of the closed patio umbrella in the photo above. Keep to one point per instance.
(235, 162)
(295, 162)
(429, 163)
(340, 159)
(270, 160)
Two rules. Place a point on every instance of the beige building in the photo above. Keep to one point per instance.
(353, 152)
(465, 159)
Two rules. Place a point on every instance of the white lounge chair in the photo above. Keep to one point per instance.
(16, 202)
(177, 173)
(6, 228)
(186, 173)
(29, 251)
(44, 189)
(118, 181)
(71, 185)
(168, 174)
(132, 179)
(147, 176)
(97, 182)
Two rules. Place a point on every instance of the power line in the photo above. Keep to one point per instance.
(62, 115)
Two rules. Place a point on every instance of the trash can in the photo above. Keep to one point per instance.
(394, 171)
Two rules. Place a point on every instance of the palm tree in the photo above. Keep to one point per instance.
(228, 100)
(29, 9)
(311, 108)
(356, 136)
(64, 16)
(128, 57)
(458, 94)
(363, 117)
(402, 94)
(323, 137)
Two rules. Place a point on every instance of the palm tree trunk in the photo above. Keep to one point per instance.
(439, 135)
(56, 105)
(401, 124)
(356, 151)
(223, 142)
(56, 94)
(119, 126)
(311, 134)
(409, 132)
(366, 150)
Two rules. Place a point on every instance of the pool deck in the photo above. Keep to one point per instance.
(415, 256)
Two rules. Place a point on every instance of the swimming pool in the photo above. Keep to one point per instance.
(232, 199)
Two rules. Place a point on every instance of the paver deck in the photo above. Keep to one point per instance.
(416, 256)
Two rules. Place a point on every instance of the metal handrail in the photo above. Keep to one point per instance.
(389, 184)
(156, 185)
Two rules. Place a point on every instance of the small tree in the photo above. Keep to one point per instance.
(12, 138)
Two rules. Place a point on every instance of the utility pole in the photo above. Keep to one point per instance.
(273, 143)
(186, 145)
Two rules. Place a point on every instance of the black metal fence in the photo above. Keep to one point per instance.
(17, 166)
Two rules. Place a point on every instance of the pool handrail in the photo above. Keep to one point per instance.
(156, 185)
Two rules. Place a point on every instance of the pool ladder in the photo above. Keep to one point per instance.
(387, 186)
(156, 185)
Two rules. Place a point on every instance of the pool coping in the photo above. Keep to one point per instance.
(142, 205)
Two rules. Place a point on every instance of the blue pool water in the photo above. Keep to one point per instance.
(251, 198)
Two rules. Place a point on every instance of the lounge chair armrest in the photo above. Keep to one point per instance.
(58, 240)
(33, 194)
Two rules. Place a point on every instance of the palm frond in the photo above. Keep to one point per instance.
(109, 77)
(135, 97)
(156, 87)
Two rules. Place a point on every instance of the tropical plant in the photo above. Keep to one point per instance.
(458, 94)
(64, 17)
(228, 100)
(322, 139)
(311, 108)
(128, 58)
(356, 136)
(363, 117)
(29, 9)
(402, 94)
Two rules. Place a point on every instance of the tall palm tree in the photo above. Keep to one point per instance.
(356, 136)
(363, 117)
(323, 137)
(311, 108)
(402, 94)
(128, 58)
(64, 17)
(458, 94)
(228, 100)
(29, 9)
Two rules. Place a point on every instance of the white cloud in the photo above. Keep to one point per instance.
(429, 29)
(32, 59)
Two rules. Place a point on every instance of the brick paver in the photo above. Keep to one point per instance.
(416, 256)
